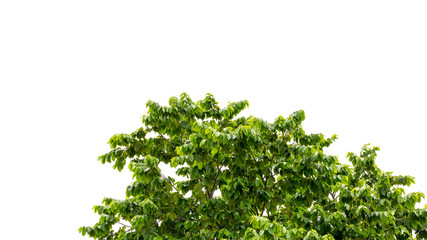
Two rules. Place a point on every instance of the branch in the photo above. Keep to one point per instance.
(167, 140)
(295, 174)
(263, 182)
(262, 179)
(124, 225)
(218, 225)
(272, 158)
(253, 156)
(163, 155)
(256, 209)
(216, 178)
(263, 206)
(167, 179)
(265, 187)
(183, 219)
(333, 195)
(274, 215)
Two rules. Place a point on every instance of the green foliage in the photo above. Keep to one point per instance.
(272, 181)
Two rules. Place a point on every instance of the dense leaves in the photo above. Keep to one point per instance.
(248, 179)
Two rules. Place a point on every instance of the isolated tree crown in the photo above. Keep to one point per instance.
(246, 178)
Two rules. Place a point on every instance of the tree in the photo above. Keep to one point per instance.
(249, 179)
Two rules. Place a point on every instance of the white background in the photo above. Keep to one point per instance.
(73, 73)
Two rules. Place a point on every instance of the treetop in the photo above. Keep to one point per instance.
(246, 178)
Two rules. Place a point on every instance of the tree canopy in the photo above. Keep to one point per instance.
(246, 178)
